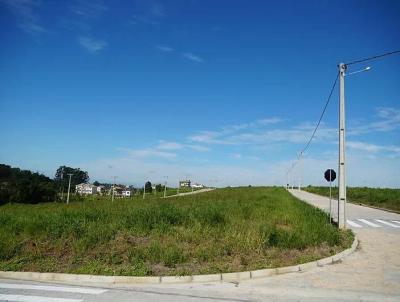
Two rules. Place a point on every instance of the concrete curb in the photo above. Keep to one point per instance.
(130, 280)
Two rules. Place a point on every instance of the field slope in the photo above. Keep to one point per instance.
(224, 230)
(382, 198)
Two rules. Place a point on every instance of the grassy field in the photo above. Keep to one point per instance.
(381, 198)
(224, 230)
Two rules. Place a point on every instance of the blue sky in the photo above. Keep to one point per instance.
(222, 92)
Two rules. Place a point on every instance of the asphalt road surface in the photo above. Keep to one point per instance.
(370, 274)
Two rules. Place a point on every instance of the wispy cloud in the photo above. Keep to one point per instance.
(164, 48)
(372, 148)
(149, 152)
(26, 14)
(255, 133)
(192, 57)
(388, 119)
(138, 19)
(88, 9)
(164, 145)
(158, 10)
(92, 45)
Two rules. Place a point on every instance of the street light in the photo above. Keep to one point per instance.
(342, 147)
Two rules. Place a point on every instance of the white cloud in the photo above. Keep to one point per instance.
(388, 120)
(163, 145)
(143, 20)
(88, 9)
(198, 148)
(26, 14)
(92, 45)
(158, 10)
(192, 57)
(165, 48)
(141, 153)
(367, 147)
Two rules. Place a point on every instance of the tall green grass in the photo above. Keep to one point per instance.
(219, 231)
(377, 197)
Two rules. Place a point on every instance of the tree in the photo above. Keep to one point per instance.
(148, 187)
(96, 183)
(159, 188)
(23, 186)
(78, 177)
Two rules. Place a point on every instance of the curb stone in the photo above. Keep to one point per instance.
(100, 281)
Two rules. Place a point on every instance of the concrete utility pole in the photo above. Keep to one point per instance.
(113, 189)
(342, 151)
(69, 186)
(165, 187)
(300, 170)
(62, 185)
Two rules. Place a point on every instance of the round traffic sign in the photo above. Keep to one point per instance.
(330, 175)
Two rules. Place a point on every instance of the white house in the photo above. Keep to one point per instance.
(101, 190)
(184, 183)
(85, 189)
(198, 186)
(126, 193)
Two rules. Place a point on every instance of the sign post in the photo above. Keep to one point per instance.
(330, 175)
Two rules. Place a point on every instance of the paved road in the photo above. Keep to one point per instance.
(371, 274)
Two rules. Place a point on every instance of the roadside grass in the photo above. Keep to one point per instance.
(377, 197)
(224, 230)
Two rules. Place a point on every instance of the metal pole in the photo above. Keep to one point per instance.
(342, 150)
(330, 196)
(69, 187)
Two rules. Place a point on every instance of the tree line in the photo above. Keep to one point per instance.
(24, 186)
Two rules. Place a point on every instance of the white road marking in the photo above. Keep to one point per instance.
(23, 298)
(79, 290)
(396, 221)
(353, 224)
(370, 223)
(388, 223)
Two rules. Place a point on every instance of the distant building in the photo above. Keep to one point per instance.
(120, 191)
(101, 190)
(85, 189)
(126, 193)
(198, 186)
(184, 183)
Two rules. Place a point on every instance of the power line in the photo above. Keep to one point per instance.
(322, 115)
(317, 126)
(373, 58)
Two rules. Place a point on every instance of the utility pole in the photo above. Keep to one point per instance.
(165, 187)
(144, 190)
(62, 184)
(300, 170)
(342, 150)
(113, 189)
(69, 186)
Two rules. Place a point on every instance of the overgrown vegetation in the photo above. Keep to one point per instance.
(224, 230)
(377, 197)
